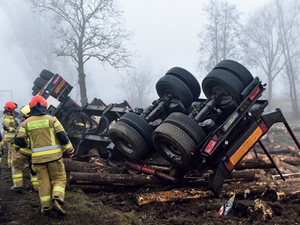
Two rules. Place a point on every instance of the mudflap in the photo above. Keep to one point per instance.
(216, 181)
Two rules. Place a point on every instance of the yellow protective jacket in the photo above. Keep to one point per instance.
(24, 151)
(9, 125)
(47, 137)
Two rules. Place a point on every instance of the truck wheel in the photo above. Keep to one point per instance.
(128, 141)
(174, 145)
(188, 125)
(236, 69)
(46, 74)
(40, 82)
(175, 87)
(188, 79)
(138, 123)
(225, 82)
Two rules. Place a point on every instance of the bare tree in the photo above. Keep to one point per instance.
(289, 23)
(88, 29)
(221, 37)
(263, 48)
(138, 85)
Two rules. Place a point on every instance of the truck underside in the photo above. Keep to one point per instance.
(179, 129)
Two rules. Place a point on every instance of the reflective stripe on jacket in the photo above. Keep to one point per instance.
(23, 151)
(41, 130)
(44, 144)
(10, 123)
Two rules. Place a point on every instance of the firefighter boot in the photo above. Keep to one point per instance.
(57, 208)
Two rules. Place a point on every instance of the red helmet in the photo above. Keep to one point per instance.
(10, 106)
(37, 100)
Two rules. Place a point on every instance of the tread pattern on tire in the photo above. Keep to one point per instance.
(225, 80)
(188, 79)
(188, 125)
(139, 124)
(169, 133)
(241, 72)
(122, 131)
(172, 85)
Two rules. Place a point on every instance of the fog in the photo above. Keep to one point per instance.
(165, 36)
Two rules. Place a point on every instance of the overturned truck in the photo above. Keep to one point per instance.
(179, 128)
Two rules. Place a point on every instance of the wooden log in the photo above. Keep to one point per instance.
(95, 157)
(289, 159)
(247, 174)
(261, 163)
(286, 176)
(105, 178)
(279, 149)
(283, 193)
(188, 194)
(115, 179)
(290, 167)
(78, 166)
(173, 195)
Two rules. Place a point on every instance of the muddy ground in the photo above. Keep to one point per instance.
(119, 206)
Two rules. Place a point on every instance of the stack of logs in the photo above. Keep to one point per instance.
(254, 175)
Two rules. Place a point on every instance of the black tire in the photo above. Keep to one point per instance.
(46, 74)
(40, 82)
(172, 85)
(33, 93)
(188, 125)
(237, 69)
(36, 89)
(138, 123)
(128, 141)
(174, 145)
(188, 79)
(225, 82)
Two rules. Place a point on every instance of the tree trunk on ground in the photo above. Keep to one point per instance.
(77, 166)
(116, 179)
(255, 163)
(290, 167)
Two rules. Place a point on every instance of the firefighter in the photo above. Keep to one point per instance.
(2, 147)
(9, 124)
(47, 138)
(22, 156)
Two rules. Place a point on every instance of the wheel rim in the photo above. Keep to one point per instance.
(171, 151)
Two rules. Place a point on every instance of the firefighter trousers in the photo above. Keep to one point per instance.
(18, 163)
(52, 182)
(10, 152)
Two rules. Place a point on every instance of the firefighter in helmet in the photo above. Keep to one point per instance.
(22, 156)
(9, 124)
(47, 139)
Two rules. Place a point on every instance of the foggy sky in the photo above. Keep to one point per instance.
(165, 36)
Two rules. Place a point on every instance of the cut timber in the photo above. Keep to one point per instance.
(290, 167)
(289, 159)
(284, 193)
(279, 149)
(187, 194)
(257, 163)
(152, 180)
(286, 176)
(115, 179)
(78, 166)
(173, 195)
(95, 157)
